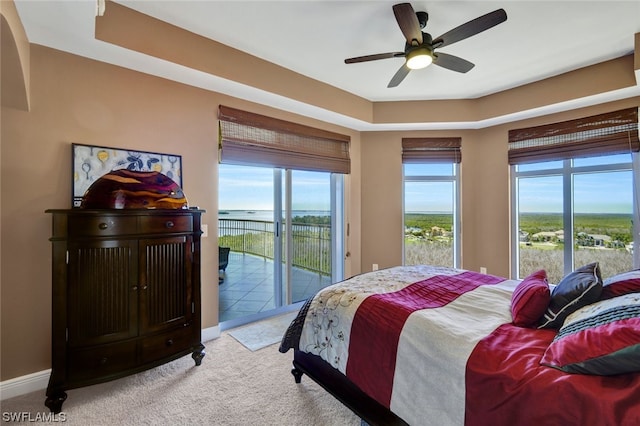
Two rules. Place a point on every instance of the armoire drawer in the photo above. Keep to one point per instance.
(153, 224)
(100, 361)
(105, 225)
(166, 344)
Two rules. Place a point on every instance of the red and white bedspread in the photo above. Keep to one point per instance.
(435, 345)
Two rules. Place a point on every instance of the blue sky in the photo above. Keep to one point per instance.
(595, 192)
(609, 192)
(251, 188)
(245, 188)
(433, 197)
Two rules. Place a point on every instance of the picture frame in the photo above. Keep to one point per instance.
(90, 162)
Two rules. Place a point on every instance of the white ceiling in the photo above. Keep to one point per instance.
(540, 39)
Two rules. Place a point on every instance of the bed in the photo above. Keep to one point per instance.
(424, 345)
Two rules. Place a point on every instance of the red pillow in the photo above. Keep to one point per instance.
(530, 300)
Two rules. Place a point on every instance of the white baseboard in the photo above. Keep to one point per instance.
(210, 333)
(38, 381)
(24, 384)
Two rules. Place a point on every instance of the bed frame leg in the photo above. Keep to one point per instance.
(297, 374)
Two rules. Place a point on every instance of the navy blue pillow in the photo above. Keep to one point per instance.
(580, 288)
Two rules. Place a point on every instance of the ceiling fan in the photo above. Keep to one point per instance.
(419, 50)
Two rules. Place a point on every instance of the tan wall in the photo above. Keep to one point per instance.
(82, 101)
(485, 201)
(485, 192)
(485, 208)
(78, 100)
(381, 200)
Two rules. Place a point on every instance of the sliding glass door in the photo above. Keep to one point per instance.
(285, 234)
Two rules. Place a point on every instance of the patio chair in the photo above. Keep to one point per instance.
(223, 261)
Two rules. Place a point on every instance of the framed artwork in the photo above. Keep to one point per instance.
(91, 162)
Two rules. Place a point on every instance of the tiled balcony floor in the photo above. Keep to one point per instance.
(247, 288)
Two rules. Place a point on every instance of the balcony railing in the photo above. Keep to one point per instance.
(311, 242)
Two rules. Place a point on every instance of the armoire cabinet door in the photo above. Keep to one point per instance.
(165, 283)
(102, 291)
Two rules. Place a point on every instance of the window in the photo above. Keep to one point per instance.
(431, 199)
(573, 198)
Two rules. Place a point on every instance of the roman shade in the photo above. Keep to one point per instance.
(251, 139)
(431, 150)
(604, 134)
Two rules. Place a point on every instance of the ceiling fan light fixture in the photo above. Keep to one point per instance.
(418, 58)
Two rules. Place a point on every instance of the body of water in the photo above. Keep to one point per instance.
(266, 215)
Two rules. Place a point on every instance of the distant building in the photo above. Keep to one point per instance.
(545, 236)
(601, 240)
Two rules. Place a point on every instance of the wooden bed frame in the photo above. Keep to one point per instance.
(343, 389)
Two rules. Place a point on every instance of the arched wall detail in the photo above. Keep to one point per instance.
(14, 59)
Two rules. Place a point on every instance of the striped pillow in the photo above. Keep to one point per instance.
(600, 339)
(627, 282)
(577, 289)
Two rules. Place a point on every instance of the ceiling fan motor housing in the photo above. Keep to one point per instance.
(426, 42)
(423, 17)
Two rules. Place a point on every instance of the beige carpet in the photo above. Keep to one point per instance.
(233, 386)
(263, 333)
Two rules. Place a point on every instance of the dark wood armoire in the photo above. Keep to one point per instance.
(126, 294)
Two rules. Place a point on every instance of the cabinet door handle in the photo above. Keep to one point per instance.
(103, 361)
(169, 224)
(134, 288)
(170, 342)
(102, 226)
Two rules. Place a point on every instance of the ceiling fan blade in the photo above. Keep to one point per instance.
(408, 22)
(471, 28)
(399, 76)
(453, 63)
(374, 57)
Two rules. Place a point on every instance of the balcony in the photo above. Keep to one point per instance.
(248, 289)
